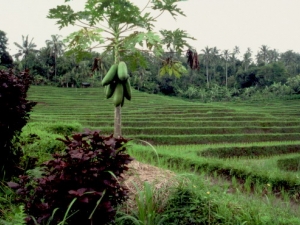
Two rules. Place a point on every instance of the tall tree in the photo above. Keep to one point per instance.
(215, 58)
(3, 42)
(56, 49)
(235, 52)
(25, 49)
(263, 54)
(207, 56)
(118, 26)
(5, 58)
(226, 55)
(247, 59)
(291, 61)
(273, 55)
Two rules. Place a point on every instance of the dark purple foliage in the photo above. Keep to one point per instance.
(14, 114)
(90, 169)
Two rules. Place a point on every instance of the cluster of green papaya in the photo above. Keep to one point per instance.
(117, 84)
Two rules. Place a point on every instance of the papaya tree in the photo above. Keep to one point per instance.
(121, 28)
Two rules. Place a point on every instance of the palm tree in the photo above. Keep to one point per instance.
(273, 55)
(25, 49)
(247, 59)
(56, 49)
(215, 57)
(207, 59)
(235, 52)
(263, 54)
(226, 58)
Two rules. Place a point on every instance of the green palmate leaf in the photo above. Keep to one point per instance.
(163, 70)
(170, 70)
(80, 42)
(84, 37)
(167, 5)
(117, 12)
(152, 39)
(175, 68)
(175, 40)
(153, 42)
(149, 39)
(129, 42)
(179, 69)
(64, 14)
(176, 74)
(135, 59)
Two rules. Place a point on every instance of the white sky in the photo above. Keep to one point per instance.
(214, 23)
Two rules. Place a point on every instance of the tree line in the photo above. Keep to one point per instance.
(223, 73)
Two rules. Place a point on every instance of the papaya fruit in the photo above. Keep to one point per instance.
(110, 75)
(123, 100)
(127, 90)
(109, 89)
(122, 71)
(118, 94)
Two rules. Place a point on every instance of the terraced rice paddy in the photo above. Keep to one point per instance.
(242, 139)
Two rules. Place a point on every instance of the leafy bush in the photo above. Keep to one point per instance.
(294, 84)
(187, 207)
(89, 173)
(14, 115)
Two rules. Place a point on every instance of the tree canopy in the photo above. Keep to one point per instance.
(5, 58)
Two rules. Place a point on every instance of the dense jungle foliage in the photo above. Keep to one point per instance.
(221, 74)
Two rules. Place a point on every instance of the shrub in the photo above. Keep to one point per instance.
(88, 174)
(14, 115)
(185, 206)
(294, 84)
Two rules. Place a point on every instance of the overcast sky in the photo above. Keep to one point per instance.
(214, 23)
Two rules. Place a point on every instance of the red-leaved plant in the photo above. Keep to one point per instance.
(90, 170)
(14, 114)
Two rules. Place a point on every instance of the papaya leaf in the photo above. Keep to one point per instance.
(79, 42)
(65, 15)
(167, 5)
(175, 40)
(175, 68)
(170, 70)
(162, 71)
(135, 59)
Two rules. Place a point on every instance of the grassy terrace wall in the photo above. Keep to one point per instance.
(242, 139)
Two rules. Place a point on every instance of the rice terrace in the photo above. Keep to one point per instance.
(248, 151)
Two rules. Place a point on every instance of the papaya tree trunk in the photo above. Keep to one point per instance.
(117, 122)
(118, 115)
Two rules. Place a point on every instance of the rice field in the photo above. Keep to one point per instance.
(246, 140)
